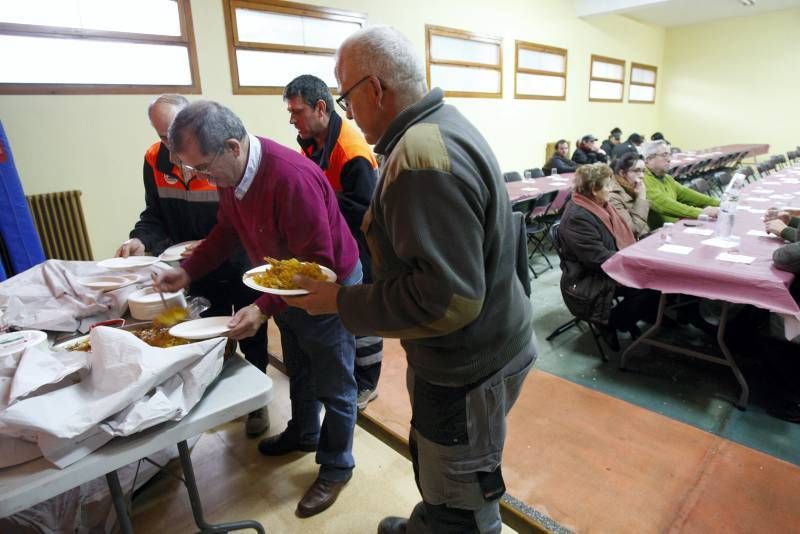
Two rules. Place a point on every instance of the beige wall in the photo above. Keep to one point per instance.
(733, 81)
(96, 143)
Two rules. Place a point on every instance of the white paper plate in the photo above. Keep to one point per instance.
(131, 262)
(108, 283)
(16, 342)
(204, 328)
(249, 282)
(174, 252)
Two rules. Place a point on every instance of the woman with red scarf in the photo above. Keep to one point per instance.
(592, 231)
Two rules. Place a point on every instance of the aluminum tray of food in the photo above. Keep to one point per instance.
(153, 335)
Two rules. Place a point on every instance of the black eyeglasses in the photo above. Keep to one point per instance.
(342, 100)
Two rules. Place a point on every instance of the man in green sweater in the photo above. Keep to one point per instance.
(669, 200)
(443, 244)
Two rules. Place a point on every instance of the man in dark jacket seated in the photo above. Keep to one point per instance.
(614, 138)
(559, 160)
(588, 151)
(592, 231)
(631, 145)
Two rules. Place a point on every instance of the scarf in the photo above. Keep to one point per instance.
(626, 186)
(609, 217)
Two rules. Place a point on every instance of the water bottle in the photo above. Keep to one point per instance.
(727, 212)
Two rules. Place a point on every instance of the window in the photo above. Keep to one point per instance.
(271, 42)
(464, 63)
(97, 46)
(541, 72)
(643, 84)
(606, 79)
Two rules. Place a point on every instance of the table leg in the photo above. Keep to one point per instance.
(662, 304)
(726, 360)
(723, 322)
(120, 506)
(197, 507)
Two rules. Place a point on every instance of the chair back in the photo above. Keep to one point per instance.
(535, 172)
(700, 185)
(513, 176)
(542, 205)
(554, 237)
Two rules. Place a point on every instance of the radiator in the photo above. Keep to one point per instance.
(58, 218)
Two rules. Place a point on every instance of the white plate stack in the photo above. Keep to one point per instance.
(145, 304)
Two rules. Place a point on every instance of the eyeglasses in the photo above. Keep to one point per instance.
(664, 154)
(342, 100)
(188, 170)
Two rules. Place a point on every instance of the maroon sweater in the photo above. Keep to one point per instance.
(290, 211)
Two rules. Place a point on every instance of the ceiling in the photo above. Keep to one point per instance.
(670, 13)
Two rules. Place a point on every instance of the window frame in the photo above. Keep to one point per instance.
(535, 47)
(283, 8)
(592, 78)
(631, 83)
(186, 38)
(441, 31)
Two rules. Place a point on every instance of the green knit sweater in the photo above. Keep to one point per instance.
(670, 201)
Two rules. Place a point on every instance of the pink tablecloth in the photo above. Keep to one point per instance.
(529, 189)
(699, 273)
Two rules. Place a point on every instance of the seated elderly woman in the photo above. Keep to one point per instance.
(592, 231)
(669, 200)
(628, 193)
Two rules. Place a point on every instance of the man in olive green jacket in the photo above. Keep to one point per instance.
(669, 200)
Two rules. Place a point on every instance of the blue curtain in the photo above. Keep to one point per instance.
(16, 224)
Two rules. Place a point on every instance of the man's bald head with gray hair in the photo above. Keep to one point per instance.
(162, 112)
(655, 148)
(388, 54)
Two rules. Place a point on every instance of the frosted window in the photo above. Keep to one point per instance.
(546, 61)
(153, 17)
(454, 49)
(605, 90)
(643, 76)
(276, 69)
(601, 69)
(275, 28)
(642, 93)
(465, 79)
(540, 85)
(79, 61)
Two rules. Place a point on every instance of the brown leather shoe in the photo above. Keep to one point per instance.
(320, 496)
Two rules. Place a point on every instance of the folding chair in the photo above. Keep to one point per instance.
(575, 321)
(537, 227)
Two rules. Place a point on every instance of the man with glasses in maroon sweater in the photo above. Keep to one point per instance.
(278, 203)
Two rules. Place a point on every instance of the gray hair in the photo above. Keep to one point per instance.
(170, 99)
(390, 56)
(654, 147)
(210, 122)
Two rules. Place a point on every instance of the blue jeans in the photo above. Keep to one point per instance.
(319, 354)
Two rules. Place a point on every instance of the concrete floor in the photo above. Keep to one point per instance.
(692, 391)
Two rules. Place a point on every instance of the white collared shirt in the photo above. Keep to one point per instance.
(253, 162)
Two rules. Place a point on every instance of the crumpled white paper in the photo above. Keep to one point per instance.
(48, 296)
(70, 406)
